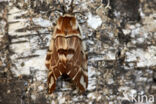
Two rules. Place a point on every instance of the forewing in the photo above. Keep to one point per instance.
(77, 65)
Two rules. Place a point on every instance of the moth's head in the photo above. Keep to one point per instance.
(65, 8)
(68, 15)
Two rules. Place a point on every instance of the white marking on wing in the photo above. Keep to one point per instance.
(82, 81)
(69, 56)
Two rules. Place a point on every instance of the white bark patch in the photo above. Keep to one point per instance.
(94, 21)
(144, 58)
(24, 64)
(42, 22)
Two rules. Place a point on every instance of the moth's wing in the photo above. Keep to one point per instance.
(51, 82)
(81, 78)
(77, 69)
(82, 61)
(52, 64)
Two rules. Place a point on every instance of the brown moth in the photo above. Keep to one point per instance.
(66, 54)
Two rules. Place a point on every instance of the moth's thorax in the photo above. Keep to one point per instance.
(67, 25)
(67, 36)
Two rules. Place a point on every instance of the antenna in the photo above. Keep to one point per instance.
(71, 7)
(62, 8)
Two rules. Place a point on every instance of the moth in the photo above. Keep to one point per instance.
(66, 55)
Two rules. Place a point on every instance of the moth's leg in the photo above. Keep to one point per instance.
(58, 70)
(48, 58)
(71, 71)
(51, 82)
